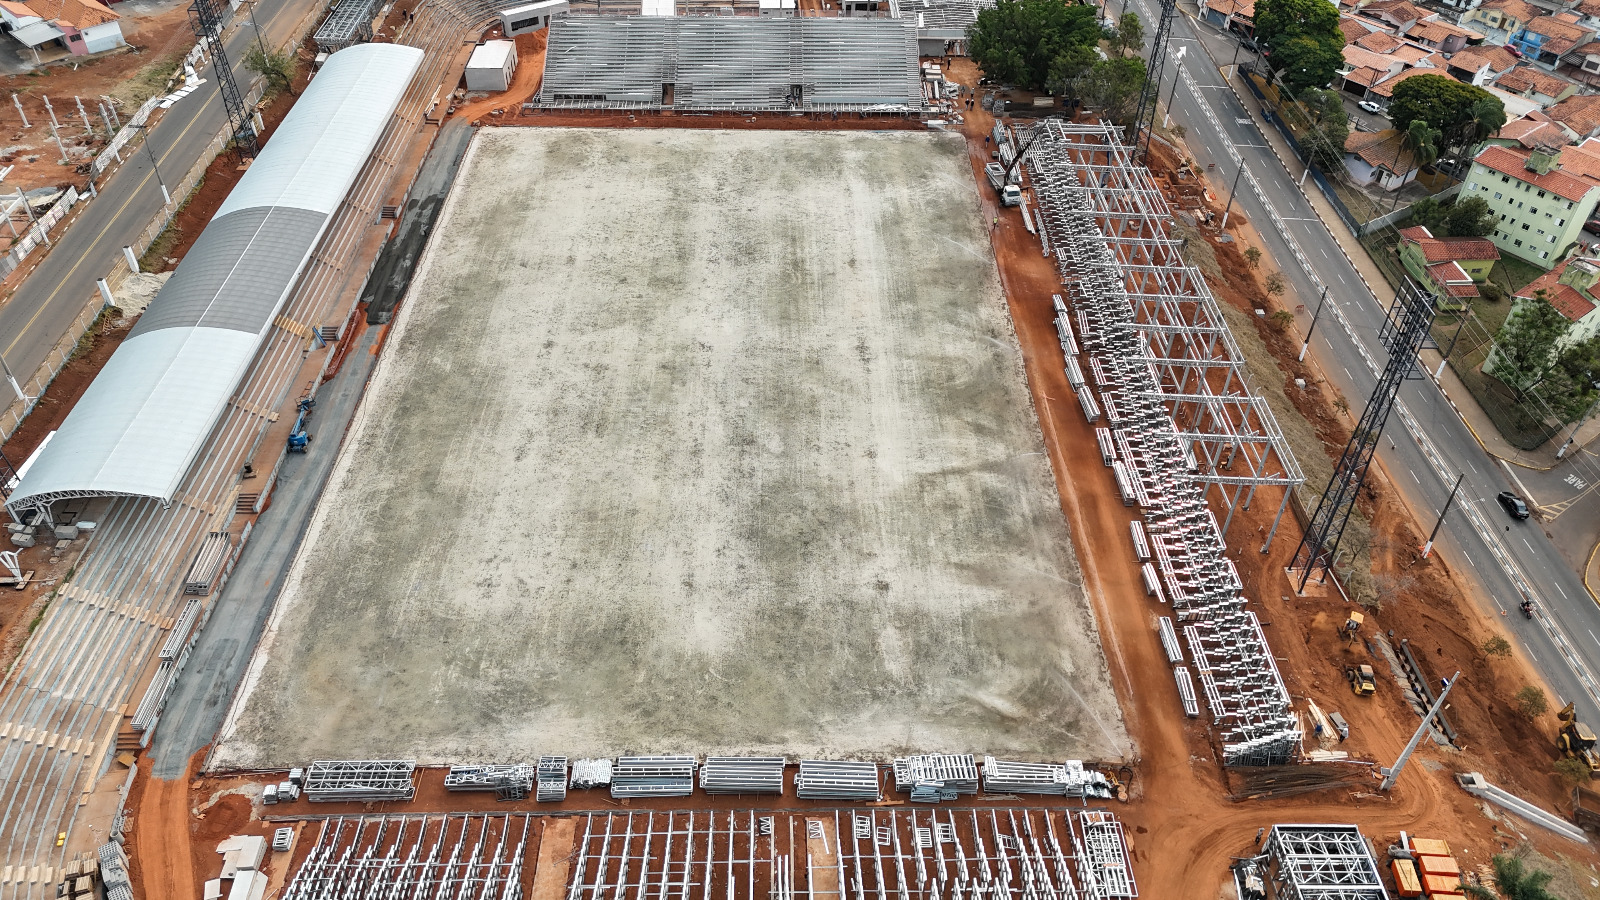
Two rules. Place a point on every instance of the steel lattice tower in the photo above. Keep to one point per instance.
(205, 17)
(1144, 121)
(1404, 332)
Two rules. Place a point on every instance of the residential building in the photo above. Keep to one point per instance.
(1571, 289)
(1237, 16)
(1580, 114)
(1481, 65)
(1500, 19)
(1533, 130)
(79, 27)
(1379, 157)
(1451, 267)
(1544, 40)
(1541, 208)
(1537, 85)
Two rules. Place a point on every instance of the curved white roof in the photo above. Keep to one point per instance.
(139, 426)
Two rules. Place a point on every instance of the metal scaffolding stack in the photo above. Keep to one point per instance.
(360, 780)
(1068, 779)
(349, 23)
(825, 779)
(552, 779)
(1171, 385)
(590, 773)
(508, 782)
(653, 776)
(742, 775)
(1322, 862)
(413, 858)
(1013, 853)
(933, 777)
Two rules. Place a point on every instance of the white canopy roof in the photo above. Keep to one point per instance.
(144, 419)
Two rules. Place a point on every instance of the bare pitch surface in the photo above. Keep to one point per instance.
(690, 441)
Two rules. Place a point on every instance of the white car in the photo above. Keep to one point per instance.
(1370, 107)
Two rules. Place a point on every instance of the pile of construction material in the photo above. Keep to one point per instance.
(114, 872)
(361, 780)
(552, 779)
(1429, 871)
(742, 775)
(241, 868)
(591, 773)
(507, 782)
(1068, 779)
(823, 779)
(934, 777)
(653, 776)
(286, 791)
(81, 874)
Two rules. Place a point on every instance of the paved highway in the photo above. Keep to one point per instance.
(1426, 445)
(55, 293)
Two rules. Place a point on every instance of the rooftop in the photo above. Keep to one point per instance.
(1581, 113)
(1441, 250)
(1381, 149)
(1498, 59)
(1559, 34)
(1523, 79)
(1520, 10)
(1513, 162)
(1568, 300)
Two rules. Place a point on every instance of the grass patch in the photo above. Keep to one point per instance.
(1513, 274)
(155, 255)
(150, 80)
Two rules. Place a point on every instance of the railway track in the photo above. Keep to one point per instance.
(63, 701)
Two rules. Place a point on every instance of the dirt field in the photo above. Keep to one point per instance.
(690, 441)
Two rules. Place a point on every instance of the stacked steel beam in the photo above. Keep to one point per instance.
(552, 779)
(934, 777)
(824, 779)
(742, 775)
(590, 773)
(653, 776)
(361, 780)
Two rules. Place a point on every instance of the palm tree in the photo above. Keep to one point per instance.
(1421, 141)
(1488, 116)
(1513, 881)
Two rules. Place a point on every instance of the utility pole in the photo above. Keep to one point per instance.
(1392, 773)
(1452, 348)
(87, 128)
(1313, 329)
(165, 197)
(1231, 192)
(1563, 451)
(12, 379)
(18, 101)
(1177, 76)
(1427, 546)
(28, 208)
(54, 128)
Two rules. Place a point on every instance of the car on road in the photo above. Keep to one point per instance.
(1593, 226)
(1371, 107)
(1513, 504)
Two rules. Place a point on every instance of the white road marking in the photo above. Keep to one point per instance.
(1563, 593)
(1347, 373)
(1528, 545)
(1414, 476)
(1469, 559)
(1593, 638)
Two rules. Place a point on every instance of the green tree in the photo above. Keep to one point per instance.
(1068, 68)
(1112, 86)
(1128, 35)
(1300, 40)
(277, 68)
(1019, 41)
(1421, 140)
(1462, 114)
(1252, 256)
(1430, 214)
(1525, 348)
(1471, 217)
(1568, 386)
(1330, 126)
(1497, 646)
(1514, 881)
(1531, 702)
(1572, 770)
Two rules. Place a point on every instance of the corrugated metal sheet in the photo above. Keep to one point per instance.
(143, 420)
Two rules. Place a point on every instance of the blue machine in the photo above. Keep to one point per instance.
(299, 438)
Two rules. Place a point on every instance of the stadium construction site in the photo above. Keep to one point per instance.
(751, 508)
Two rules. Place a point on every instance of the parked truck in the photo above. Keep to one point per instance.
(1010, 193)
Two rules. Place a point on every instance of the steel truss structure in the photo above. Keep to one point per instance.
(1144, 120)
(205, 18)
(349, 23)
(1029, 854)
(1171, 384)
(329, 781)
(1405, 331)
(406, 857)
(1322, 862)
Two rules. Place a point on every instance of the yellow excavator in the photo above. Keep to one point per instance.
(1577, 740)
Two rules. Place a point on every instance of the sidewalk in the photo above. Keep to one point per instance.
(1460, 399)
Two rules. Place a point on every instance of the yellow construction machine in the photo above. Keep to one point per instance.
(1576, 739)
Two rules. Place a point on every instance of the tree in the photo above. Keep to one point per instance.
(1568, 387)
(277, 68)
(1525, 348)
(1068, 68)
(1300, 40)
(1514, 880)
(1330, 126)
(1572, 770)
(1531, 702)
(1497, 646)
(1113, 86)
(1275, 284)
(1430, 214)
(1019, 41)
(1471, 217)
(1128, 35)
(1252, 256)
(1462, 114)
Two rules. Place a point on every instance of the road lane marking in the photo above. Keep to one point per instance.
(1593, 638)
(1414, 476)
(1528, 545)
(1563, 593)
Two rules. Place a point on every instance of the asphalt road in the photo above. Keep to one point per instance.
(1424, 455)
(54, 294)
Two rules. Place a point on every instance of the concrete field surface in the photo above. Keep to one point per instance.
(690, 441)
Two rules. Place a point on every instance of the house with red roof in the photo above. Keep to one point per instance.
(1571, 287)
(1541, 206)
(80, 27)
(1451, 267)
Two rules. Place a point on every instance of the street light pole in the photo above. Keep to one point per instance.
(1427, 546)
(1393, 773)
(1313, 329)
(1231, 191)
(1177, 76)
(1571, 437)
(154, 165)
